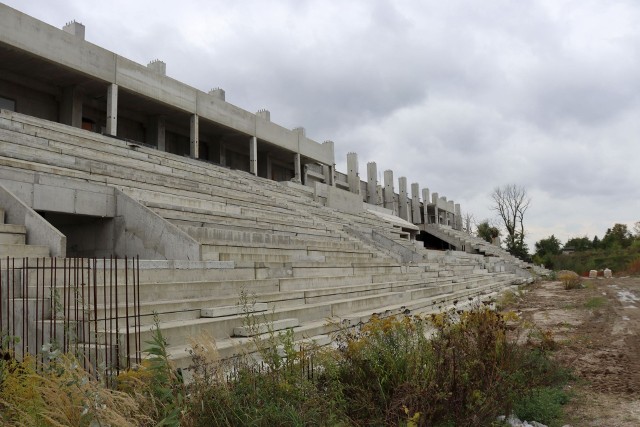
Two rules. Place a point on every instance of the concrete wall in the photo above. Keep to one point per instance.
(336, 198)
(39, 231)
(140, 231)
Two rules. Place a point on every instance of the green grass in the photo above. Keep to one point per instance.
(595, 303)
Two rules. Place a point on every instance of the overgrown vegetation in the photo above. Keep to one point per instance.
(456, 368)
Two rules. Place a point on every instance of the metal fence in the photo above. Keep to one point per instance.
(88, 307)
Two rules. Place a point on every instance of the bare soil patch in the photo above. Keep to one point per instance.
(597, 329)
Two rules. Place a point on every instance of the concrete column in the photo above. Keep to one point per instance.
(296, 168)
(415, 203)
(425, 202)
(253, 155)
(71, 107)
(353, 177)
(194, 137)
(402, 199)
(112, 109)
(458, 217)
(388, 189)
(269, 166)
(372, 183)
(327, 171)
(156, 129)
(223, 154)
(434, 200)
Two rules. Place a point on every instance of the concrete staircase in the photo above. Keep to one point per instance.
(13, 241)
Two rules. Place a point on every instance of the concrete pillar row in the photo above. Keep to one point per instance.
(415, 203)
(388, 189)
(112, 109)
(253, 155)
(194, 137)
(353, 177)
(372, 183)
(425, 202)
(403, 210)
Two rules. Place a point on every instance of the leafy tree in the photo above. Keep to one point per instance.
(546, 249)
(580, 244)
(617, 237)
(549, 246)
(486, 231)
(511, 202)
(596, 242)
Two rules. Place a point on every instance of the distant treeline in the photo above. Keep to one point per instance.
(618, 250)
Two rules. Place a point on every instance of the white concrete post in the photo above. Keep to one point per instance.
(372, 183)
(402, 199)
(194, 137)
(112, 109)
(388, 189)
(458, 217)
(352, 173)
(156, 132)
(434, 200)
(296, 168)
(253, 155)
(425, 202)
(415, 203)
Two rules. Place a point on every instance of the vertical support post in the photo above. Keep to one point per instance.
(372, 183)
(194, 137)
(425, 203)
(253, 155)
(71, 106)
(415, 203)
(434, 200)
(223, 154)
(388, 189)
(327, 171)
(296, 168)
(352, 173)
(458, 217)
(402, 199)
(156, 132)
(112, 109)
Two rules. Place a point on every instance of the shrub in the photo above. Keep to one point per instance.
(569, 279)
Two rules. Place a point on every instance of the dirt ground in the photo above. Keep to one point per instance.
(597, 331)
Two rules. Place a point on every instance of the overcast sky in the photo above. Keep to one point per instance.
(460, 96)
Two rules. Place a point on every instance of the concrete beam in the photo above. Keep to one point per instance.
(112, 109)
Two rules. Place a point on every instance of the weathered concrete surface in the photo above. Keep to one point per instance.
(39, 231)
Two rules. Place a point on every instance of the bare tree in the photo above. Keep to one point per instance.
(511, 202)
(468, 222)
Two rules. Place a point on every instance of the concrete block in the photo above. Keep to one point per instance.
(233, 310)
